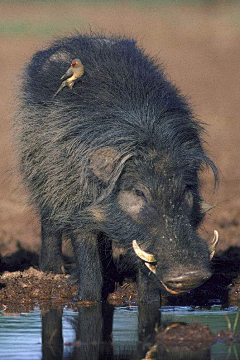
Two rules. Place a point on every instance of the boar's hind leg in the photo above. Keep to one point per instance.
(88, 266)
(51, 251)
(148, 290)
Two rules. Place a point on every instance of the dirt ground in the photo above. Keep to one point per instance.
(199, 46)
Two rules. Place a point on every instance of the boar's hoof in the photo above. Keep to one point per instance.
(213, 245)
(146, 257)
(183, 283)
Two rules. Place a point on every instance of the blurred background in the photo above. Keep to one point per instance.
(199, 44)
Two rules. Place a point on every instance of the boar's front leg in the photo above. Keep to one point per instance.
(88, 266)
(148, 289)
(51, 251)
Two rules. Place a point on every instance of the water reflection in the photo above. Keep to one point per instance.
(52, 335)
(93, 334)
(93, 339)
(104, 332)
(182, 353)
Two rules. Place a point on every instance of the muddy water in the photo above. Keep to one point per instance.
(107, 332)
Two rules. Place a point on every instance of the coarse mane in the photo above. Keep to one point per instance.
(123, 101)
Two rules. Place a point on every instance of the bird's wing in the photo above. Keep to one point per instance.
(67, 74)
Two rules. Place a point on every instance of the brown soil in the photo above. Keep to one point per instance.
(194, 337)
(23, 290)
(200, 48)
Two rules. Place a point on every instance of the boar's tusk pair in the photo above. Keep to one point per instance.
(142, 254)
(213, 245)
(148, 258)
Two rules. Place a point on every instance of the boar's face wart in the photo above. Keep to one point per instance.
(117, 157)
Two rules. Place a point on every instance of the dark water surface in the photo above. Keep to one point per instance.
(107, 332)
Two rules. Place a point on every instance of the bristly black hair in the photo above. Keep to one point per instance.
(124, 101)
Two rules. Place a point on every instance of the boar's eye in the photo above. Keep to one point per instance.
(141, 194)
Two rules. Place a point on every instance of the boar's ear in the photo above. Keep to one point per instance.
(103, 162)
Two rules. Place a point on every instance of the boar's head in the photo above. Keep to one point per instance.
(152, 212)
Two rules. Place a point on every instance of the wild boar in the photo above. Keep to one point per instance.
(119, 154)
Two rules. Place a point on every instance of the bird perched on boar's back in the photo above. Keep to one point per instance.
(75, 72)
(116, 161)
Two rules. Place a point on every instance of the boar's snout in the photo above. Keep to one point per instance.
(178, 283)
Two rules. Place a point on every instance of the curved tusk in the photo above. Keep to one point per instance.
(174, 292)
(213, 244)
(142, 254)
(151, 267)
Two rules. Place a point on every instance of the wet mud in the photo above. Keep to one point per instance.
(30, 287)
